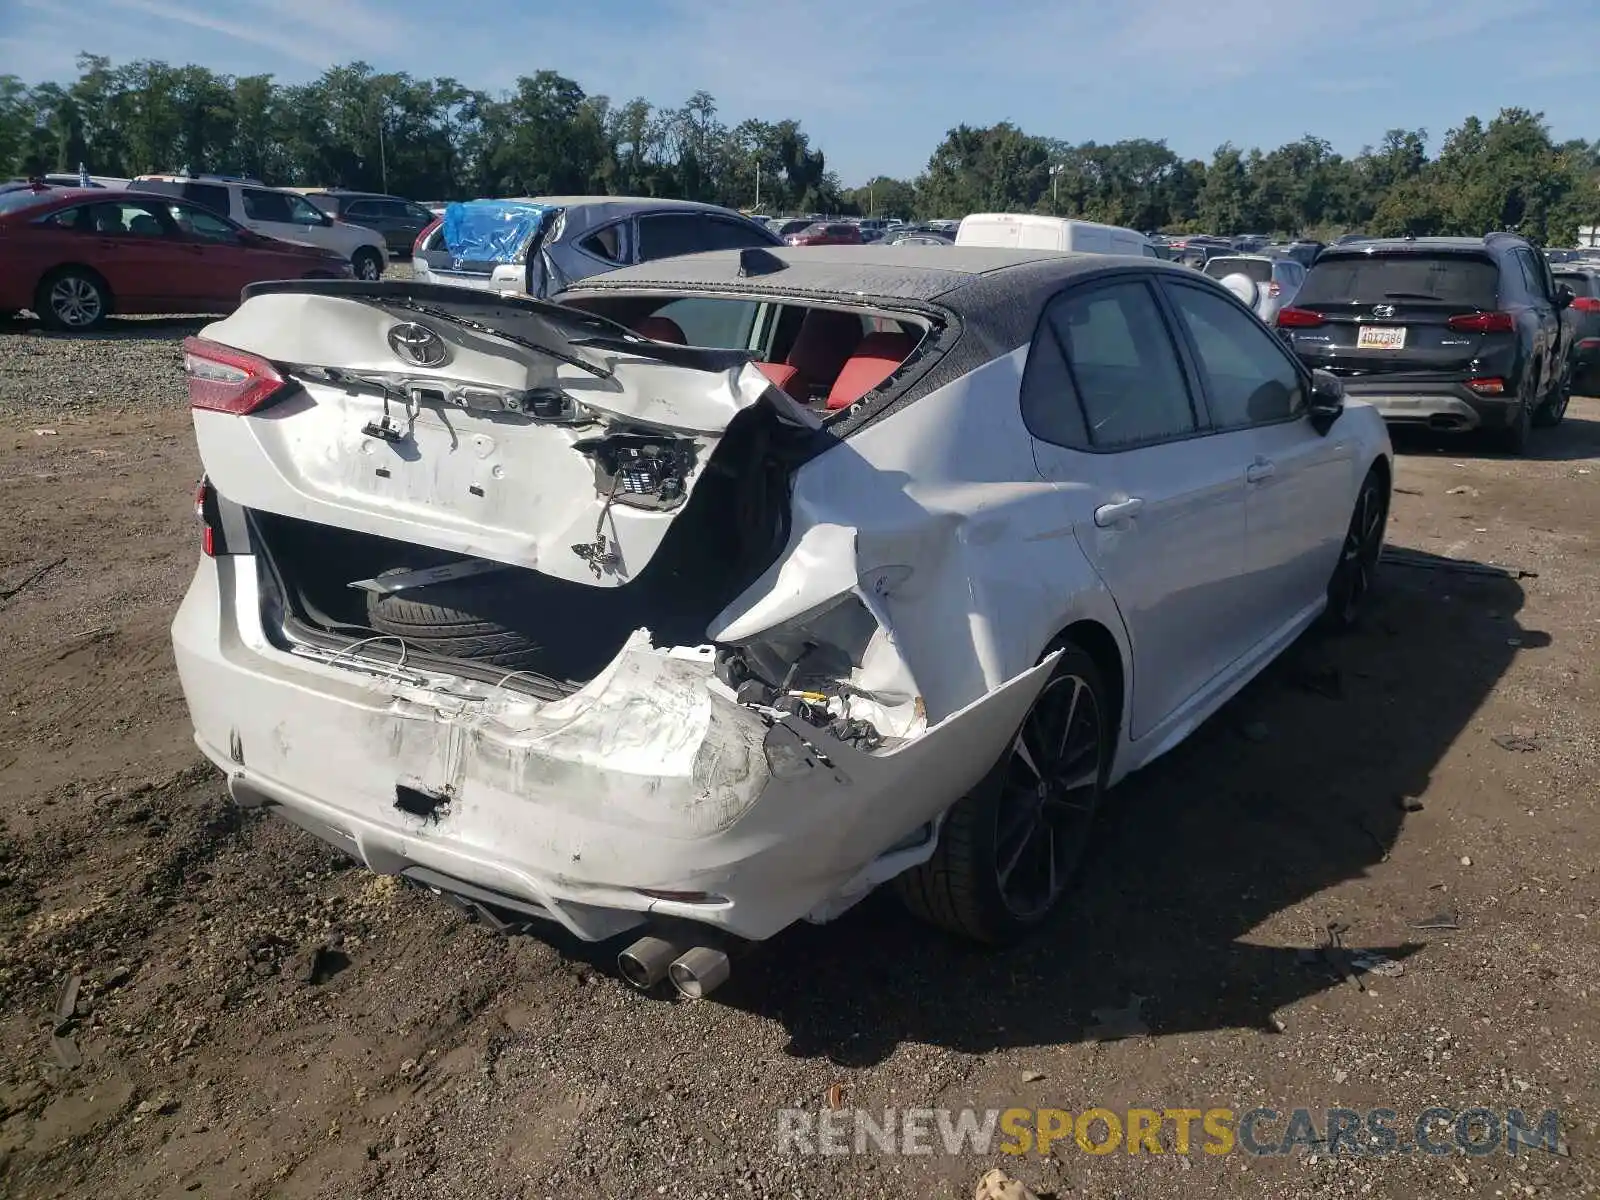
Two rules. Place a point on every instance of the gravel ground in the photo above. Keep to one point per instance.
(257, 1018)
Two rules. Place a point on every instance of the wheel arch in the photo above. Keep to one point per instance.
(1103, 646)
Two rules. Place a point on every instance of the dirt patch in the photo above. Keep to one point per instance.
(255, 1017)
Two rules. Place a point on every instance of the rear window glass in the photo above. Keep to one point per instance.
(11, 202)
(1375, 278)
(1253, 269)
(1581, 282)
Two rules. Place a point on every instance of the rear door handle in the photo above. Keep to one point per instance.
(1109, 514)
(1257, 471)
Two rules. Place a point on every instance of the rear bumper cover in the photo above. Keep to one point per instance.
(650, 778)
(1447, 404)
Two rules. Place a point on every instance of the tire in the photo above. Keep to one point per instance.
(445, 623)
(368, 263)
(1513, 439)
(974, 885)
(1358, 555)
(1549, 414)
(73, 299)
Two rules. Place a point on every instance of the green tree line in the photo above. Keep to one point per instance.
(438, 139)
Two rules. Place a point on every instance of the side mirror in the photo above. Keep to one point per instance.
(1327, 400)
(1564, 296)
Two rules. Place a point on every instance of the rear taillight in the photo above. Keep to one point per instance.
(205, 510)
(1488, 387)
(1488, 322)
(1586, 304)
(1298, 318)
(222, 379)
(416, 246)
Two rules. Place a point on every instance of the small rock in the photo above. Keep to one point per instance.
(162, 1105)
(1340, 1076)
(1032, 1076)
(1466, 860)
(119, 976)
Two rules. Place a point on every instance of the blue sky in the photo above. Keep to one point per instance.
(878, 84)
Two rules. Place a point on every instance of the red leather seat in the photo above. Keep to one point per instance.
(874, 360)
(781, 374)
(661, 329)
(825, 340)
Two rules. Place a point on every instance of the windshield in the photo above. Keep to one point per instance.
(1254, 269)
(1379, 278)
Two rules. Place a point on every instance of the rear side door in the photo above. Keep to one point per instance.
(136, 249)
(1117, 429)
(1299, 484)
(1541, 292)
(1424, 311)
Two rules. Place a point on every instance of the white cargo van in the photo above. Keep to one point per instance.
(1025, 231)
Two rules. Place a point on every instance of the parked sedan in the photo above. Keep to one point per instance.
(636, 635)
(73, 256)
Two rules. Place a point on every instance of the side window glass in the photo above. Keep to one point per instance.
(730, 235)
(605, 243)
(66, 218)
(1106, 352)
(1249, 378)
(360, 209)
(124, 220)
(213, 197)
(302, 211)
(266, 206)
(197, 222)
(668, 236)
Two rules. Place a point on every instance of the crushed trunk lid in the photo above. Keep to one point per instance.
(505, 429)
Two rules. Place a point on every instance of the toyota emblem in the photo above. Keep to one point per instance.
(418, 345)
(1383, 310)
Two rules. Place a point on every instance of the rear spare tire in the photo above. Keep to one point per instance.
(451, 620)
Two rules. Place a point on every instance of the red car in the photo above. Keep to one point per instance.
(826, 233)
(74, 255)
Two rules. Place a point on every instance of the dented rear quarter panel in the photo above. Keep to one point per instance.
(947, 487)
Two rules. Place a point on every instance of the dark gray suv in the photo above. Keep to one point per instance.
(1453, 334)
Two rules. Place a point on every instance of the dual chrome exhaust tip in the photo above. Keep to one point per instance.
(695, 971)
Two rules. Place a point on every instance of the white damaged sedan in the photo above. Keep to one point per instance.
(733, 586)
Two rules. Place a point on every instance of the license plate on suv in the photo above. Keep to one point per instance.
(1381, 337)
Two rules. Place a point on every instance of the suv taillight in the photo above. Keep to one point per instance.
(1587, 304)
(1486, 322)
(1298, 318)
(416, 246)
(222, 379)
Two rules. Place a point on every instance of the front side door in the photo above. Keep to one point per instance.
(1299, 485)
(1114, 422)
(223, 264)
